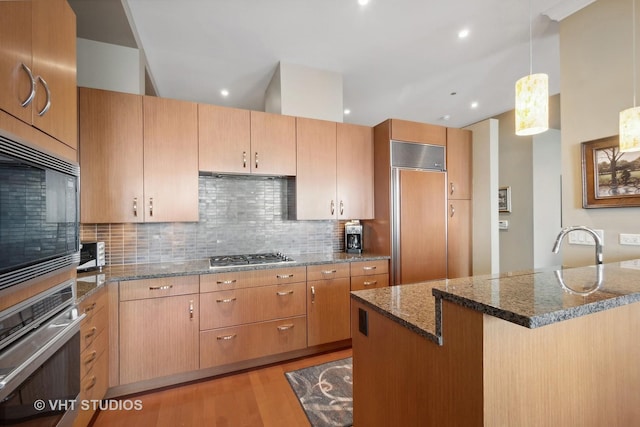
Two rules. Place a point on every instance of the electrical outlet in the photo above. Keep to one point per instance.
(630, 239)
(581, 237)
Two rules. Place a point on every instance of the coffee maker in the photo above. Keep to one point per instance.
(353, 237)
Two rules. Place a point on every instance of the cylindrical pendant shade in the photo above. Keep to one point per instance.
(532, 104)
(630, 129)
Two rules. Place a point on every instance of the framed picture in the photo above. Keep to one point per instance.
(610, 178)
(504, 199)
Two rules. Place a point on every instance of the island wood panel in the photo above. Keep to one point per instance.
(273, 144)
(378, 238)
(459, 163)
(170, 160)
(354, 171)
(111, 157)
(402, 379)
(224, 139)
(459, 260)
(316, 172)
(403, 130)
(580, 372)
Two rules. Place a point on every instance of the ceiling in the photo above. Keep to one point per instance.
(398, 58)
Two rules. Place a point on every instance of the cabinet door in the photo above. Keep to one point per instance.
(54, 66)
(459, 239)
(224, 139)
(158, 337)
(354, 171)
(170, 160)
(15, 50)
(273, 144)
(316, 175)
(459, 163)
(328, 311)
(403, 130)
(111, 157)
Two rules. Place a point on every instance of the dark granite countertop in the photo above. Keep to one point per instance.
(529, 298)
(89, 281)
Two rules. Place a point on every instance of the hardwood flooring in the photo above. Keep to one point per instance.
(256, 398)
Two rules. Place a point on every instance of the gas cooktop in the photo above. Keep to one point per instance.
(230, 260)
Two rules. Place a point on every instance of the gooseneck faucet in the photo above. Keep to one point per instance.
(596, 238)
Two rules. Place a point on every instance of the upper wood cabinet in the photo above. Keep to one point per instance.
(139, 158)
(459, 153)
(242, 141)
(335, 170)
(424, 133)
(38, 66)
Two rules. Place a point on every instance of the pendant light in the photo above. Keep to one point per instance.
(630, 118)
(532, 97)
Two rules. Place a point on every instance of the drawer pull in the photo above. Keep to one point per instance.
(92, 384)
(226, 282)
(285, 327)
(225, 337)
(160, 288)
(91, 334)
(284, 276)
(90, 308)
(373, 282)
(225, 300)
(329, 271)
(313, 295)
(284, 293)
(190, 309)
(369, 268)
(91, 358)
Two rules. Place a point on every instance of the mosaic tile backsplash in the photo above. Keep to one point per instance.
(238, 214)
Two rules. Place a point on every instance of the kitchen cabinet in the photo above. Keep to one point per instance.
(369, 274)
(159, 327)
(459, 260)
(38, 66)
(328, 303)
(335, 170)
(423, 133)
(139, 157)
(459, 152)
(239, 141)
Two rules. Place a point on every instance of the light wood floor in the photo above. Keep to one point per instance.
(256, 398)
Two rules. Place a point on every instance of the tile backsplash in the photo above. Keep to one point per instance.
(238, 214)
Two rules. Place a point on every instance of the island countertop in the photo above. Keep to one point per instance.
(531, 299)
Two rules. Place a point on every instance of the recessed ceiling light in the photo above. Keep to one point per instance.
(363, 2)
(347, 111)
(445, 117)
(224, 92)
(474, 104)
(464, 33)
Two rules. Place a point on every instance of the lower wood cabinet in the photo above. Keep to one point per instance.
(328, 302)
(369, 274)
(159, 335)
(459, 257)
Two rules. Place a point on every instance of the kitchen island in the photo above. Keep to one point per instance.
(522, 349)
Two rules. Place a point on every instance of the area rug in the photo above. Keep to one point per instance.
(325, 392)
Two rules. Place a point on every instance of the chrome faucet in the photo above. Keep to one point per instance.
(596, 238)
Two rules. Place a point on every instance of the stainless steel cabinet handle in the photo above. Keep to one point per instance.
(285, 327)
(32, 94)
(226, 282)
(190, 309)
(341, 207)
(256, 160)
(92, 384)
(244, 159)
(453, 188)
(91, 333)
(135, 206)
(48, 92)
(226, 300)
(369, 268)
(453, 210)
(333, 207)
(91, 358)
(90, 308)
(284, 293)
(160, 288)
(150, 206)
(373, 282)
(284, 276)
(313, 295)
(329, 271)
(225, 337)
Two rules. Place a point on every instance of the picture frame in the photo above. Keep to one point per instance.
(504, 199)
(610, 178)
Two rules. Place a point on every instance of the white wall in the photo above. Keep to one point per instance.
(110, 67)
(597, 83)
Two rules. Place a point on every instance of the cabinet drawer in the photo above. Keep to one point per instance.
(248, 305)
(364, 268)
(373, 281)
(92, 327)
(244, 279)
(92, 353)
(93, 387)
(163, 287)
(327, 271)
(228, 345)
(93, 303)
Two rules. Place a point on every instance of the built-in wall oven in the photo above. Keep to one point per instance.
(40, 359)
